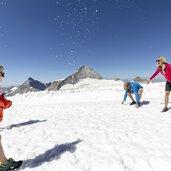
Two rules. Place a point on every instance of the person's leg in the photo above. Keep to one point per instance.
(166, 98)
(1, 114)
(131, 97)
(3, 159)
(9, 164)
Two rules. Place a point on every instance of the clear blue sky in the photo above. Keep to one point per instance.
(49, 39)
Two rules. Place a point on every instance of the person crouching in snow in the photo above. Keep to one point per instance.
(165, 69)
(133, 88)
(5, 164)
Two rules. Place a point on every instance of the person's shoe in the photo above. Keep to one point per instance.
(11, 165)
(165, 109)
(132, 103)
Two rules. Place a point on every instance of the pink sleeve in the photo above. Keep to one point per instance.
(169, 67)
(154, 75)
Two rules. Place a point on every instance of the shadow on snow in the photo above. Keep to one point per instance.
(145, 103)
(24, 124)
(51, 154)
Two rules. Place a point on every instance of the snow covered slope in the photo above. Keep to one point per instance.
(84, 127)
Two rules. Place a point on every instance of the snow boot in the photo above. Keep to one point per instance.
(132, 103)
(11, 165)
(165, 109)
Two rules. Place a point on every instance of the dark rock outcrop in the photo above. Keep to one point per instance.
(54, 86)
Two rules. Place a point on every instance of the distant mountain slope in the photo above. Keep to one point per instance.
(82, 73)
(29, 85)
(139, 79)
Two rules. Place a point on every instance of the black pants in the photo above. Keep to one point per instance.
(168, 86)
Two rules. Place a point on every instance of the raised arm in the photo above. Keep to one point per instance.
(154, 75)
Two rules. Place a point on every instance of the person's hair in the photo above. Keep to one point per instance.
(162, 59)
(1, 66)
(126, 84)
(161, 56)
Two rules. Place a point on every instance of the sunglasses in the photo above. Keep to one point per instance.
(2, 74)
(157, 60)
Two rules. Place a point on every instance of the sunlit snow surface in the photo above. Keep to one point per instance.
(84, 127)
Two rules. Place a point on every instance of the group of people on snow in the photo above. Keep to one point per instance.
(130, 88)
(135, 88)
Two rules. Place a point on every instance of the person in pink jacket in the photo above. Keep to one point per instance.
(165, 69)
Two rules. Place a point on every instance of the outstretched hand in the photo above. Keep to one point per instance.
(137, 106)
(148, 81)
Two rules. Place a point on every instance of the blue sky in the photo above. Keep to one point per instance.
(49, 39)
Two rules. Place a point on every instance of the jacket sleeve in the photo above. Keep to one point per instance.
(4, 103)
(136, 89)
(154, 75)
(136, 97)
(125, 96)
(169, 68)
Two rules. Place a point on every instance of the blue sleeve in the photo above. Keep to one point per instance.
(125, 96)
(136, 87)
(139, 86)
(136, 97)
